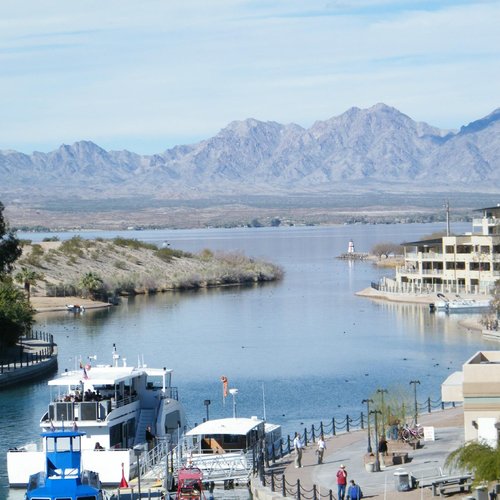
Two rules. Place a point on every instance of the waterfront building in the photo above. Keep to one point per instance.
(468, 263)
(477, 386)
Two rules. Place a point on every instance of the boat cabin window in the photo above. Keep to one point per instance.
(63, 444)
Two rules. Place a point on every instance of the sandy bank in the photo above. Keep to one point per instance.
(47, 304)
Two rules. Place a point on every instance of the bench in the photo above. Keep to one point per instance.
(461, 485)
(441, 484)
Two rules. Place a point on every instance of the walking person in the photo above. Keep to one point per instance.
(297, 446)
(341, 482)
(321, 449)
(354, 492)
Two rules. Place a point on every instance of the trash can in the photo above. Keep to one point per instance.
(481, 493)
(402, 480)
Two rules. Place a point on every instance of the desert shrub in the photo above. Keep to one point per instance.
(120, 264)
(167, 254)
(133, 243)
(206, 254)
(34, 256)
(73, 246)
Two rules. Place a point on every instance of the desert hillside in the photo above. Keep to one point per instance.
(125, 266)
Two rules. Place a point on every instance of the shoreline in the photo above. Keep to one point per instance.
(43, 304)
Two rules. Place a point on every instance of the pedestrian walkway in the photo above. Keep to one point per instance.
(350, 449)
(37, 358)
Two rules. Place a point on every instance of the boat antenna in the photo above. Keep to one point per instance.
(264, 401)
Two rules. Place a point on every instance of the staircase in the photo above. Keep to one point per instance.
(146, 418)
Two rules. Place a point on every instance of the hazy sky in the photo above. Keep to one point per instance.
(145, 75)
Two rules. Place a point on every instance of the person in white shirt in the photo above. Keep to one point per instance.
(321, 449)
(297, 446)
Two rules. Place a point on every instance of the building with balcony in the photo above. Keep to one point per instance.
(467, 263)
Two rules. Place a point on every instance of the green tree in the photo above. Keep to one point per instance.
(10, 248)
(480, 459)
(91, 284)
(28, 278)
(16, 313)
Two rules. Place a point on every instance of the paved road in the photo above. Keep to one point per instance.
(350, 449)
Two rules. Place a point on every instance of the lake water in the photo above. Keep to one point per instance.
(307, 347)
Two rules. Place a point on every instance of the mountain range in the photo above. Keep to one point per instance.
(378, 148)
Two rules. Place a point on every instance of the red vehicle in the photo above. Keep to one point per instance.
(189, 484)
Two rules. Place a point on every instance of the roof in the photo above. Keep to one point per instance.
(99, 375)
(487, 208)
(234, 426)
(434, 241)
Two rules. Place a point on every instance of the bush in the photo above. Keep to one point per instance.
(73, 247)
(133, 243)
(167, 254)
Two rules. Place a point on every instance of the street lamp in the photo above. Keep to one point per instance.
(382, 392)
(415, 382)
(138, 453)
(377, 458)
(368, 401)
(207, 404)
(233, 393)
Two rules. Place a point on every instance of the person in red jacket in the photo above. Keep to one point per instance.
(341, 482)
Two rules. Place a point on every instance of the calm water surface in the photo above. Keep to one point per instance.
(307, 343)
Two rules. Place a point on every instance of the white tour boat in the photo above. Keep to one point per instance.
(112, 405)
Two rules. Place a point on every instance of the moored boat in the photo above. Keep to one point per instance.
(229, 448)
(113, 405)
(458, 304)
(62, 476)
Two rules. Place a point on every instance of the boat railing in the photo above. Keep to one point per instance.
(84, 410)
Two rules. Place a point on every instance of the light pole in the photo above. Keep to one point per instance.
(207, 404)
(377, 458)
(138, 453)
(382, 392)
(233, 393)
(415, 382)
(368, 401)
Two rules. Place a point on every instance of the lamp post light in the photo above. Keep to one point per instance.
(382, 392)
(207, 404)
(233, 393)
(377, 458)
(138, 453)
(368, 401)
(415, 382)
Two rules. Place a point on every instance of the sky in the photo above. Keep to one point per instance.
(146, 75)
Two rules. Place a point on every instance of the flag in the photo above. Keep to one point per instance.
(224, 385)
(123, 482)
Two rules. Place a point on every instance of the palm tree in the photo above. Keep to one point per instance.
(28, 278)
(479, 458)
(91, 283)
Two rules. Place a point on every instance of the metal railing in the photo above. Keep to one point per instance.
(25, 358)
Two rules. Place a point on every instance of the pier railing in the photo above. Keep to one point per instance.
(33, 348)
